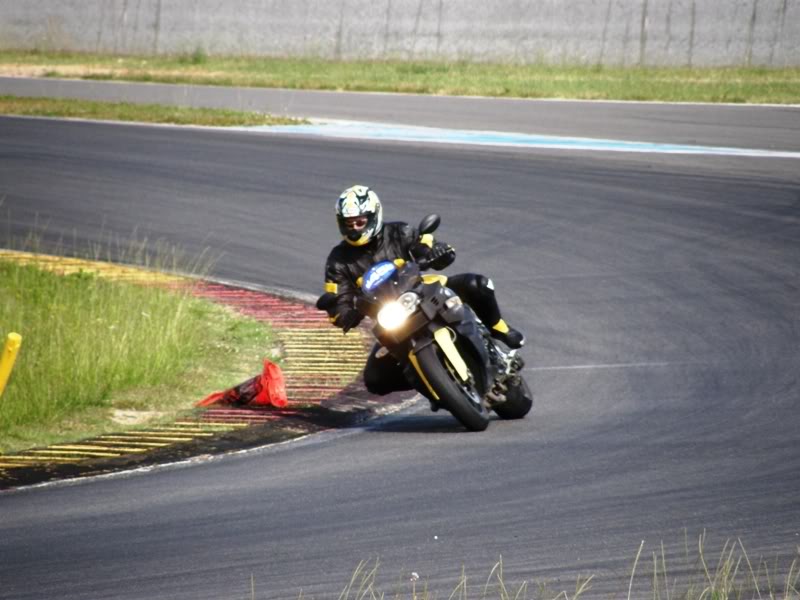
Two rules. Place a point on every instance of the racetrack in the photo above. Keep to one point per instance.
(660, 297)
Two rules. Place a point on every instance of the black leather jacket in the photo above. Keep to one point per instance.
(346, 263)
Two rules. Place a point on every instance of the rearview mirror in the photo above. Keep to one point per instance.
(429, 224)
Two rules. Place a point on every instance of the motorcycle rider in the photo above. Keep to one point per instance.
(368, 240)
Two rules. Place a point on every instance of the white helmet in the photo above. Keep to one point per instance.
(359, 214)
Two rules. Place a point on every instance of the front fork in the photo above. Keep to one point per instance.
(442, 338)
(509, 365)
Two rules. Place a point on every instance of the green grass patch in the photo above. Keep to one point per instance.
(751, 85)
(124, 111)
(94, 350)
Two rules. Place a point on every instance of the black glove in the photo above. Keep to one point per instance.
(349, 319)
(441, 256)
(327, 302)
(420, 252)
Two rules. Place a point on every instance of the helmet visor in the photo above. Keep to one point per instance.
(356, 223)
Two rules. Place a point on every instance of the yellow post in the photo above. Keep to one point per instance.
(10, 351)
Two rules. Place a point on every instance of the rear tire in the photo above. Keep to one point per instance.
(519, 401)
(474, 416)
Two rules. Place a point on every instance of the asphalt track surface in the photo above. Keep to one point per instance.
(660, 296)
(733, 125)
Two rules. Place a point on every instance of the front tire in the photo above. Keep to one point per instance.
(470, 413)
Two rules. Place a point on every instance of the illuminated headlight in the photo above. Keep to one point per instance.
(394, 314)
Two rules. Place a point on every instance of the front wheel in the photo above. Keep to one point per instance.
(462, 399)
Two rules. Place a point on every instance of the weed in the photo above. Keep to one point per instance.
(197, 57)
(731, 576)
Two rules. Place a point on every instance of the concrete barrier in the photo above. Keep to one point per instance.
(606, 32)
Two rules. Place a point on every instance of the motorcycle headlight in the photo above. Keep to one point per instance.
(393, 314)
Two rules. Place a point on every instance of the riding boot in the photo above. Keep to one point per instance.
(508, 335)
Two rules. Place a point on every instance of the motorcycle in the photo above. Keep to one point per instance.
(446, 352)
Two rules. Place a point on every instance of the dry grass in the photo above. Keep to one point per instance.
(727, 575)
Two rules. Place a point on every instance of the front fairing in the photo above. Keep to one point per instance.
(396, 283)
(433, 313)
(388, 288)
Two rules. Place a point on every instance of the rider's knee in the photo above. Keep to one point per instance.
(480, 284)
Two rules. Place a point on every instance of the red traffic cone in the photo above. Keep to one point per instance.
(266, 389)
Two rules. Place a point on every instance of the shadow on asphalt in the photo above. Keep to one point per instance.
(423, 422)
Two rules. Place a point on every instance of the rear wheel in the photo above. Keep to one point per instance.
(519, 400)
(462, 399)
